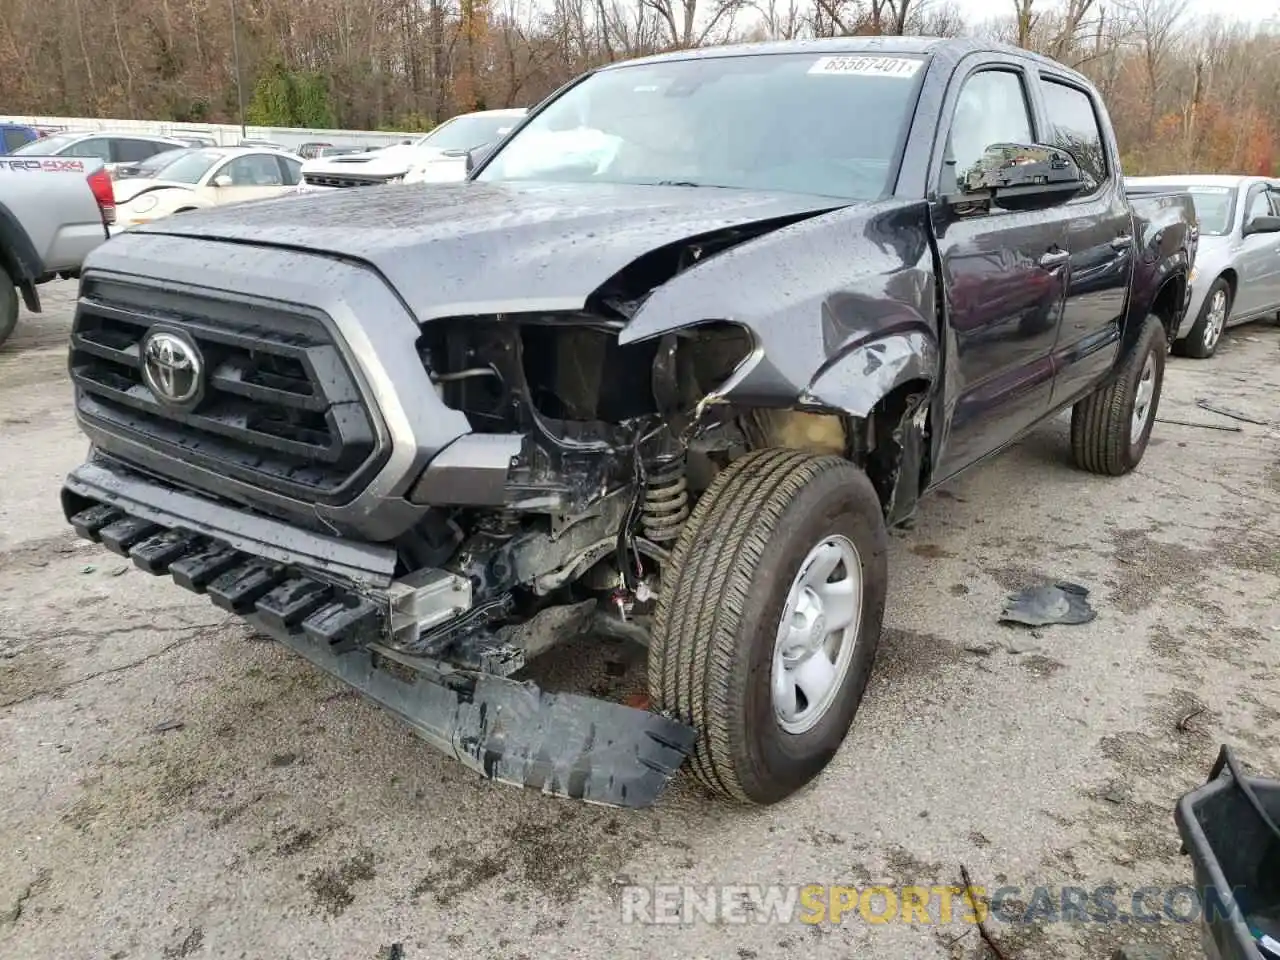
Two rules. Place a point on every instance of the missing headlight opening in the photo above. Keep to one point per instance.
(616, 442)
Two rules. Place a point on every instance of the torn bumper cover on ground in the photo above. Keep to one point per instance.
(562, 744)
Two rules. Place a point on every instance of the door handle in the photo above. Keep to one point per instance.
(1120, 243)
(1054, 259)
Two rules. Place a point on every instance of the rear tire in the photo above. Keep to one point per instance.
(1206, 333)
(754, 551)
(1110, 428)
(8, 306)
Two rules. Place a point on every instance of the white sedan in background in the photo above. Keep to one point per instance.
(440, 156)
(211, 177)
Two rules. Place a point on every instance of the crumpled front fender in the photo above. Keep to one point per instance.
(856, 381)
(842, 307)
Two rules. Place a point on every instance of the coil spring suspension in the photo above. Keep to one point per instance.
(666, 501)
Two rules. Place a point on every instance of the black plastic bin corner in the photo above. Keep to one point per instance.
(1234, 845)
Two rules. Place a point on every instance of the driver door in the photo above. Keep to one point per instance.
(253, 176)
(1004, 277)
(1259, 287)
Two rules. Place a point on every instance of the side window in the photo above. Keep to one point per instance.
(991, 109)
(1074, 127)
(254, 170)
(14, 137)
(134, 151)
(291, 169)
(93, 147)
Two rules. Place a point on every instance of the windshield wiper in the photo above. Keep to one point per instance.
(676, 183)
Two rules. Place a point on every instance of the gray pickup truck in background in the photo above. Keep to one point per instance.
(53, 211)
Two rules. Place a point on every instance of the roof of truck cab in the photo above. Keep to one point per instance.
(952, 49)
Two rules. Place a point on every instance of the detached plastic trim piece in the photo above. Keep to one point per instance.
(565, 745)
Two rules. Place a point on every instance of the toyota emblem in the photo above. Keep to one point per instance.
(172, 367)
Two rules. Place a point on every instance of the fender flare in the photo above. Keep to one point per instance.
(1173, 273)
(860, 378)
(19, 258)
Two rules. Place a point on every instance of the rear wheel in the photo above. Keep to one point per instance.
(768, 620)
(1202, 339)
(8, 306)
(1110, 428)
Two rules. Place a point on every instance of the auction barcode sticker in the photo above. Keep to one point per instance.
(868, 66)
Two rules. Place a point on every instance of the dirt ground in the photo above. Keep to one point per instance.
(174, 787)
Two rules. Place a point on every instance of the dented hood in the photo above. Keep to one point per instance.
(476, 248)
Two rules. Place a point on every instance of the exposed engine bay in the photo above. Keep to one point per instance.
(619, 441)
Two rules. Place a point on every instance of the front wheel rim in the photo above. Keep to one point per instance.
(816, 636)
(1143, 395)
(1217, 319)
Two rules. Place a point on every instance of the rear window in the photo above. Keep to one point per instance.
(14, 137)
(135, 151)
(48, 146)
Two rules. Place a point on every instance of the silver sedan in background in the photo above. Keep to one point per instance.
(1237, 272)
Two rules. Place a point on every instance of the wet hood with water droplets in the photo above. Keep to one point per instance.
(475, 248)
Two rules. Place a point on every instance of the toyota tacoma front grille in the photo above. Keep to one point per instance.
(246, 391)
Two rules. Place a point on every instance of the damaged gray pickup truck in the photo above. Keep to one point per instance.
(666, 367)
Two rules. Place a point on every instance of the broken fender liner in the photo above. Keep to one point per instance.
(1039, 606)
(562, 744)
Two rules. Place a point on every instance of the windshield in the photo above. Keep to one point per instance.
(463, 133)
(190, 167)
(795, 123)
(1215, 206)
(149, 166)
(48, 146)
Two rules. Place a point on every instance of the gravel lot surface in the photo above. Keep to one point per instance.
(175, 787)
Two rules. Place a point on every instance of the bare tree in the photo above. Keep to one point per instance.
(1025, 19)
(783, 19)
(1155, 23)
(1183, 93)
(680, 18)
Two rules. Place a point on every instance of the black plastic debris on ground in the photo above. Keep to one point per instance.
(1223, 411)
(1059, 602)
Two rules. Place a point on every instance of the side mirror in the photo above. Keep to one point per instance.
(477, 156)
(1262, 225)
(1020, 176)
(222, 180)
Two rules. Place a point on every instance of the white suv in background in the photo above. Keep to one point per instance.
(438, 157)
(113, 149)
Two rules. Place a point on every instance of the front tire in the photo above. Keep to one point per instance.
(8, 306)
(1202, 339)
(766, 628)
(1110, 428)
